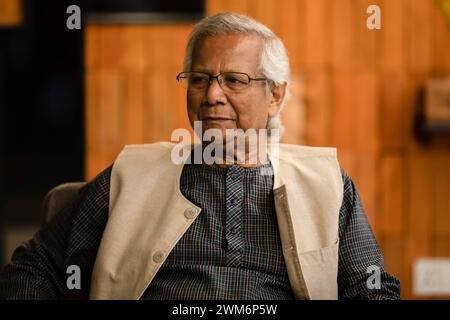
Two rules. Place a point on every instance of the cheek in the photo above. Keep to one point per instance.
(251, 116)
(193, 105)
(252, 113)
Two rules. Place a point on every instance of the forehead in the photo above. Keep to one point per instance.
(231, 52)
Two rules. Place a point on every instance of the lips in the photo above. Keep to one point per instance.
(215, 118)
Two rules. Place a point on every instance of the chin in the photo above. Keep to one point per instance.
(216, 128)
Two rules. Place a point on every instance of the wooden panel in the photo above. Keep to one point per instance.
(364, 174)
(393, 248)
(293, 114)
(105, 134)
(393, 109)
(343, 110)
(422, 204)
(318, 109)
(442, 247)
(151, 114)
(411, 102)
(392, 41)
(111, 99)
(160, 39)
(419, 28)
(10, 13)
(91, 53)
(317, 17)
(156, 120)
(365, 45)
(265, 12)
(131, 92)
(179, 45)
(365, 111)
(179, 94)
(347, 162)
(291, 31)
(133, 46)
(110, 52)
(239, 6)
(421, 208)
(441, 42)
(93, 155)
(391, 218)
(342, 35)
(212, 7)
(441, 193)
(135, 108)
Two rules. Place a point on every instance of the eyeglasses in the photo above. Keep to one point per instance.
(228, 81)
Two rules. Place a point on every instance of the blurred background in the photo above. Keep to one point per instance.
(71, 99)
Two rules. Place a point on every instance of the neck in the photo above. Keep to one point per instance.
(224, 155)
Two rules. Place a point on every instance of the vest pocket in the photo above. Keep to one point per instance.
(319, 268)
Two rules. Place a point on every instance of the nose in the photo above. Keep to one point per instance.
(214, 93)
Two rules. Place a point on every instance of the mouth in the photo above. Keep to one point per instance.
(215, 119)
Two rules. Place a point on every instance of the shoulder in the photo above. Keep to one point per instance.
(301, 151)
(144, 155)
(149, 149)
(317, 163)
(157, 146)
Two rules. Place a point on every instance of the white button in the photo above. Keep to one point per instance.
(189, 213)
(158, 256)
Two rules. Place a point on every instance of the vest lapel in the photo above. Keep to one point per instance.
(147, 218)
(308, 194)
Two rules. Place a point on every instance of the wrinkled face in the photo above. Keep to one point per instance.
(245, 109)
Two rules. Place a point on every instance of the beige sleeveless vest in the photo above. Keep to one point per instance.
(148, 215)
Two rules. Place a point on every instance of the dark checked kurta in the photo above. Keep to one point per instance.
(231, 251)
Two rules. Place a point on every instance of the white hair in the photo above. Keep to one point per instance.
(274, 62)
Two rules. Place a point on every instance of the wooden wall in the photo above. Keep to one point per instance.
(132, 95)
(354, 88)
(10, 13)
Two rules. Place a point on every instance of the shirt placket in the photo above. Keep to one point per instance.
(234, 240)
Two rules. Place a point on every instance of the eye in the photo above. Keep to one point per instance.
(198, 79)
(234, 79)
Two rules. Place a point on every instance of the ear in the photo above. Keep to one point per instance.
(278, 93)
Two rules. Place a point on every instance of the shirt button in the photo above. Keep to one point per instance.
(189, 213)
(234, 176)
(234, 201)
(158, 256)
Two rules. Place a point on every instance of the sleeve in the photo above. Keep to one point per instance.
(38, 268)
(361, 273)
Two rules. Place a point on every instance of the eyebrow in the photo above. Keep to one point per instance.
(209, 71)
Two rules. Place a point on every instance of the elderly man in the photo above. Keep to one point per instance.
(288, 225)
